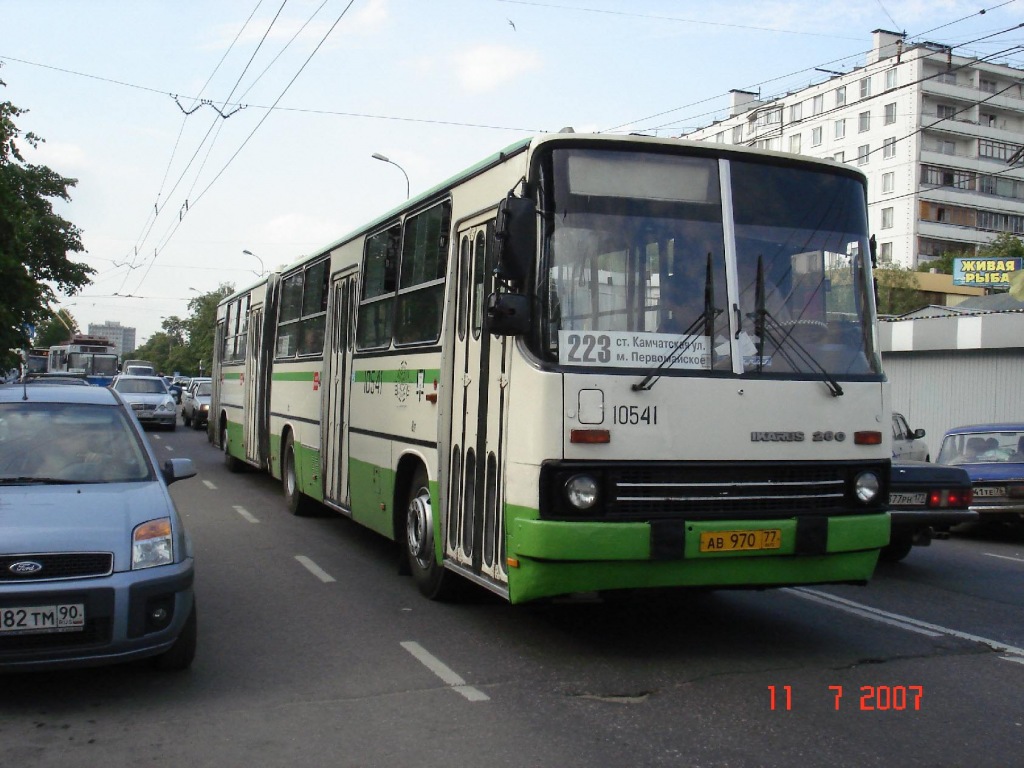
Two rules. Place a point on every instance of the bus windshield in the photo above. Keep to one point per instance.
(648, 262)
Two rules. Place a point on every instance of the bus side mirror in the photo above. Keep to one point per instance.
(515, 234)
(508, 314)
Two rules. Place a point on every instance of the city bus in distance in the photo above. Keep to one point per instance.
(93, 356)
(585, 363)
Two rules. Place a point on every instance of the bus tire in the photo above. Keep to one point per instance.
(232, 464)
(299, 504)
(431, 577)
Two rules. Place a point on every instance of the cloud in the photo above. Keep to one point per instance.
(485, 67)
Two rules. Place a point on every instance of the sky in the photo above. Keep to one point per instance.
(197, 130)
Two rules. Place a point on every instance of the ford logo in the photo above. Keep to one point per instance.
(25, 567)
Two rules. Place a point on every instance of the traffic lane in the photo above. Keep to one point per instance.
(974, 585)
(547, 666)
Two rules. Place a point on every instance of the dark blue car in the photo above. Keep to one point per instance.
(993, 455)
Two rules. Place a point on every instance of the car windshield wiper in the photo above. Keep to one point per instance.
(34, 480)
(768, 328)
(705, 319)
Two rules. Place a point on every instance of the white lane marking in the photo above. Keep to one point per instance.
(315, 569)
(1004, 557)
(443, 671)
(209, 485)
(906, 622)
(858, 610)
(246, 514)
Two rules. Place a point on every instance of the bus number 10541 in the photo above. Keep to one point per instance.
(634, 414)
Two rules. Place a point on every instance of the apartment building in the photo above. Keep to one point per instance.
(939, 135)
(121, 336)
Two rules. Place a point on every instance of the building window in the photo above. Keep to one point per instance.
(890, 79)
(794, 144)
(818, 105)
(888, 182)
(796, 112)
(816, 136)
(839, 157)
(885, 253)
(840, 129)
(949, 78)
(988, 86)
(889, 148)
(887, 218)
(890, 113)
(737, 134)
(989, 121)
(999, 150)
(865, 87)
(840, 95)
(720, 137)
(947, 147)
(945, 111)
(862, 154)
(864, 121)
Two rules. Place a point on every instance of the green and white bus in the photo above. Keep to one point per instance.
(586, 363)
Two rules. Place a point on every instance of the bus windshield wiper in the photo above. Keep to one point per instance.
(768, 328)
(705, 319)
(33, 480)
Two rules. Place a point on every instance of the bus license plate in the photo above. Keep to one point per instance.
(908, 499)
(42, 618)
(740, 541)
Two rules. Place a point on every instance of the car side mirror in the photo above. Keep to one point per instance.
(177, 469)
(918, 434)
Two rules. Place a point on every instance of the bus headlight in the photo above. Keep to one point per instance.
(581, 492)
(866, 486)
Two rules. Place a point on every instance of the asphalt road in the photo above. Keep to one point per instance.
(313, 651)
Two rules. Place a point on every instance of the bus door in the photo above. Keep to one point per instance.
(474, 525)
(338, 373)
(252, 391)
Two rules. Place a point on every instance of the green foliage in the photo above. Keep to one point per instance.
(898, 290)
(56, 329)
(186, 344)
(943, 264)
(1005, 246)
(34, 240)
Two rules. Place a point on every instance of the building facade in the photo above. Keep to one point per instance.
(940, 137)
(121, 336)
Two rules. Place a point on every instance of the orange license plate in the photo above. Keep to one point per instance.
(740, 541)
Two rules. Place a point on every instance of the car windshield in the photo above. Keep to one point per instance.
(141, 386)
(68, 443)
(983, 448)
(206, 388)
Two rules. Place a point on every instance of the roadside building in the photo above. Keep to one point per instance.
(940, 136)
(121, 336)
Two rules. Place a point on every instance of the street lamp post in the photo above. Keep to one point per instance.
(383, 159)
(263, 270)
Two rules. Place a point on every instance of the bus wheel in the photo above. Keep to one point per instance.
(233, 464)
(431, 577)
(298, 504)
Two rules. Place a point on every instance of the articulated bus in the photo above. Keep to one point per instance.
(586, 363)
(93, 356)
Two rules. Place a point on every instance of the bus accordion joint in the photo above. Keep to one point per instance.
(867, 437)
(591, 436)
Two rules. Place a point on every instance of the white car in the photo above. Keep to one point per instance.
(907, 444)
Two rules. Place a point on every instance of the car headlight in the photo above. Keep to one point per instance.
(204, 407)
(866, 487)
(152, 544)
(581, 491)
(167, 405)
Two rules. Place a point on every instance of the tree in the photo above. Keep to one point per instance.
(34, 240)
(57, 329)
(897, 290)
(186, 344)
(1004, 246)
